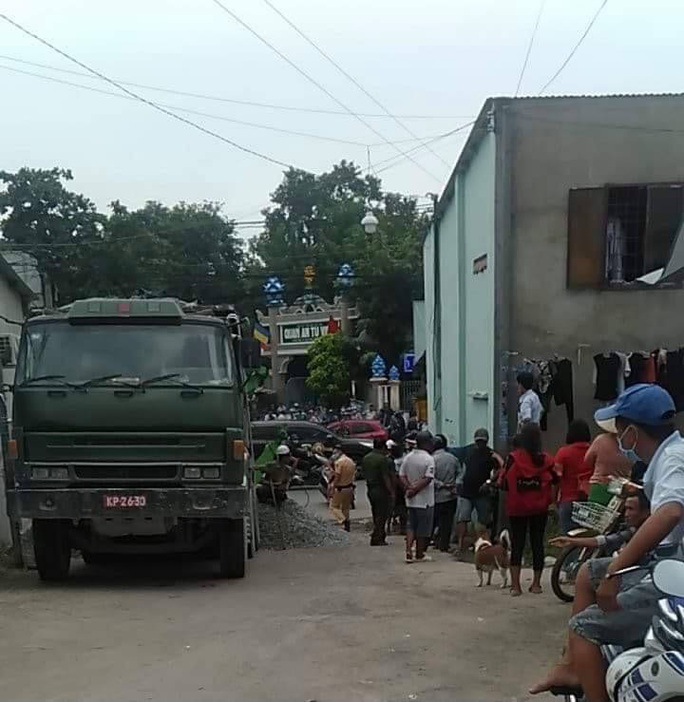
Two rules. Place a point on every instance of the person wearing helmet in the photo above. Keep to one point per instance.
(625, 604)
(417, 473)
(276, 479)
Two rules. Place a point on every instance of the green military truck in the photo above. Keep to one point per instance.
(130, 435)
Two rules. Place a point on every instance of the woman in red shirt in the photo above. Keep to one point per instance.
(528, 480)
(573, 472)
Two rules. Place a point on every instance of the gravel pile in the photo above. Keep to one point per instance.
(301, 528)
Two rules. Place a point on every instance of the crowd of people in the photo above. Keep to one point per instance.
(439, 490)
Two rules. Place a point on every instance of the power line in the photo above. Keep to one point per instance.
(6, 245)
(145, 100)
(200, 113)
(219, 98)
(395, 160)
(256, 125)
(574, 48)
(529, 47)
(321, 87)
(351, 78)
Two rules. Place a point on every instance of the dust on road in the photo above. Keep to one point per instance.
(343, 623)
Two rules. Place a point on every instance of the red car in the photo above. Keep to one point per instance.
(359, 429)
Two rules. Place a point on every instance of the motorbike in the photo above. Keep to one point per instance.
(593, 519)
(308, 470)
(653, 672)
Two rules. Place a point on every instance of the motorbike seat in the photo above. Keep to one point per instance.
(567, 691)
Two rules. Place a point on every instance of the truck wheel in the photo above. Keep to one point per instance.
(232, 548)
(52, 549)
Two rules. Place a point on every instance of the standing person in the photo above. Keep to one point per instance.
(377, 470)
(417, 473)
(397, 428)
(573, 472)
(529, 405)
(625, 605)
(604, 459)
(446, 469)
(528, 481)
(399, 511)
(341, 487)
(481, 464)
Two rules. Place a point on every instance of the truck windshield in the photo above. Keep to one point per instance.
(192, 353)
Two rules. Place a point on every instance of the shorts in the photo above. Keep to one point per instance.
(421, 521)
(482, 505)
(638, 600)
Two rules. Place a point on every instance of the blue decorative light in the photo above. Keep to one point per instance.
(394, 373)
(345, 276)
(378, 367)
(274, 289)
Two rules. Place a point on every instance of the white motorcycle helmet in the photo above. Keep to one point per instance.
(635, 676)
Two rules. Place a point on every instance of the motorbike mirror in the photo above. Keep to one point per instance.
(668, 577)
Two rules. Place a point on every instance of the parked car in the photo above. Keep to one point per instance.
(306, 433)
(359, 429)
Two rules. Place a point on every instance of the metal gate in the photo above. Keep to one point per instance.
(409, 390)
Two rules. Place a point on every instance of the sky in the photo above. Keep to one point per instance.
(431, 63)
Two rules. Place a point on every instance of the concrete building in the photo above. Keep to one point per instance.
(26, 267)
(15, 298)
(556, 236)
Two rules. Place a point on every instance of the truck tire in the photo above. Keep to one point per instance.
(232, 548)
(52, 549)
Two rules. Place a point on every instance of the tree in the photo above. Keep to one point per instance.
(188, 251)
(315, 220)
(61, 229)
(329, 372)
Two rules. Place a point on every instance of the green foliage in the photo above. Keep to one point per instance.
(58, 227)
(188, 251)
(191, 250)
(315, 220)
(329, 369)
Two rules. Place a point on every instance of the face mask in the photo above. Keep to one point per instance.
(630, 454)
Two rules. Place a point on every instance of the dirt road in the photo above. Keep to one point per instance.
(350, 623)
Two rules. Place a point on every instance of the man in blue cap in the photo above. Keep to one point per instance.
(642, 417)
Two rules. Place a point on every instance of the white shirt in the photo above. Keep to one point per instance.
(419, 464)
(529, 408)
(664, 481)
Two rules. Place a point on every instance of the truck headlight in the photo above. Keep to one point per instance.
(211, 473)
(192, 472)
(40, 473)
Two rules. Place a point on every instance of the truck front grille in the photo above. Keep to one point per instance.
(125, 472)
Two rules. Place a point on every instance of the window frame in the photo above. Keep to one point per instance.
(603, 285)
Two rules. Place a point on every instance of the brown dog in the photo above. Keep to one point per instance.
(490, 557)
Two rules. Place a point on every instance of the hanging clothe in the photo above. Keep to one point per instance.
(562, 387)
(608, 367)
(615, 251)
(638, 369)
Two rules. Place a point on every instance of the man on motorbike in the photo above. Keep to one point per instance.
(637, 511)
(643, 416)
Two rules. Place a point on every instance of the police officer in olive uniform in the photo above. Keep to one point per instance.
(377, 470)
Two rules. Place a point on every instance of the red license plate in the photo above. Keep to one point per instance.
(124, 501)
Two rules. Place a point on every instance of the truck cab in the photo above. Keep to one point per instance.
(131, 435)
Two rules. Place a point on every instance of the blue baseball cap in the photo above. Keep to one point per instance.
(643, 404)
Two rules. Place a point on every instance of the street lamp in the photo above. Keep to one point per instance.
(370, 222)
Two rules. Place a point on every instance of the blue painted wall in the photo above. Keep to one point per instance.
(465, 399)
